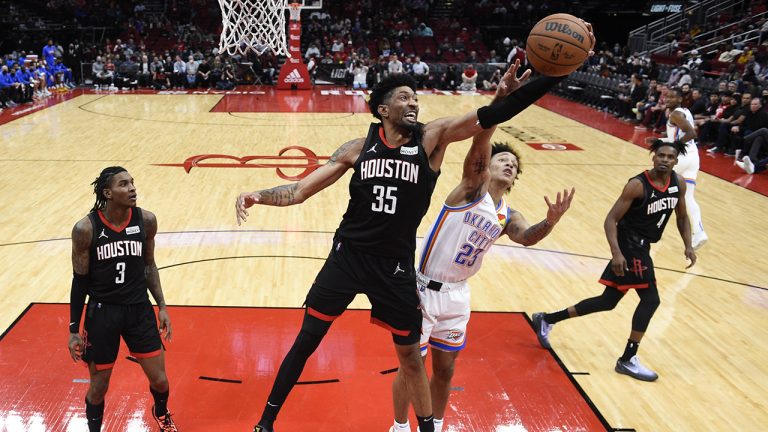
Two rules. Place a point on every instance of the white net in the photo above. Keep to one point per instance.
(256, 25)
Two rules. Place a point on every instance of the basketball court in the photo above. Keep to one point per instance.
(236, 292)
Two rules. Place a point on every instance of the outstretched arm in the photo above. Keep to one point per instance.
(683, 222)
(520, 231)
(153, 275)
(341, 160)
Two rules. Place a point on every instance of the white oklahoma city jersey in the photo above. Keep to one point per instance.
(687, 164)
(454, 248)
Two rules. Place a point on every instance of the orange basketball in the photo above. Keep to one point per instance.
(558, 44)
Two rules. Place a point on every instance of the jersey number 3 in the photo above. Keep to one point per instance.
(120, 273)
(386, 200)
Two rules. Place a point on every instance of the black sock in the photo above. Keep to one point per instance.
(94, 414)
(630, 350)
(556, 317)
(161, 401)
(426, 424)
(269, 415)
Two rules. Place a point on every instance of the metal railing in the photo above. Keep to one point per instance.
(652, 34)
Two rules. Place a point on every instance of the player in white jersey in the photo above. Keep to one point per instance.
(474, 216)
(680, 128)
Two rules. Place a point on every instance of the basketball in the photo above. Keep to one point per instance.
(558, 45)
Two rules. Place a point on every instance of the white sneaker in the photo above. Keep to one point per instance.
(636, 370)
(749, 167)
(711, 149)
(699, 240)
(737, 154)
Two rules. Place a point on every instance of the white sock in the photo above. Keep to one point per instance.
(694, 211)
(403, 426)
(438, 425)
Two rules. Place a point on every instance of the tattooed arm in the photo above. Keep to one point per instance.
(341, 160)
(474, 179)
(521, 232)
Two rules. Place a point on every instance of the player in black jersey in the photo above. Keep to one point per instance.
(113, 257)
(636, 220)
(395, 171)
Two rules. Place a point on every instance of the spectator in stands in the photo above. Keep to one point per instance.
(313, 50)
(179, 72)
(160, 80)
(756, 141)
(204, 74)
(337, 46)
(41, 75)
(423, 31)
(635, 93)
(655, 117)
(450, 78)
(706, 121)
(698, 104)
(191, 72)
(49, 53)
(755, 119)
(725, 115)
(360, 74)
(493, 57)
(25, 78)
(694, 60)
(227, 78)
(145, 72)
(10, 90)
(127, 74)
(395, 65)
(493, 81)
(327, 59)
(469, 79)
(518, 53)
(686, 96)
(420, 71)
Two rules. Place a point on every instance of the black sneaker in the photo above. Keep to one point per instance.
(164, 421)
(542, 329)
(260, 428)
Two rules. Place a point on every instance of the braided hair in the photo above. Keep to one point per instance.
(102, 182)
(677, 145)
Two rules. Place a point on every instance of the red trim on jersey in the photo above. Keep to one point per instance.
(669, 179)
(388, 327)
(320, 315)
(623, 288)
(101, 367)
(383, 138)
(112, 227)
(146, 355)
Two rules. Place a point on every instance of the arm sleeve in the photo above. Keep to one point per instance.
(516, 102)
(77, 300)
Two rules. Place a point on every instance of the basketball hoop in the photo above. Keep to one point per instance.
(256, 25)
(295, 10)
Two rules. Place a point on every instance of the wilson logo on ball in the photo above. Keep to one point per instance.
(564, 29)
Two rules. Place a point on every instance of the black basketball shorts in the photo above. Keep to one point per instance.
(640, 274)
(106, 323)
(389, 284)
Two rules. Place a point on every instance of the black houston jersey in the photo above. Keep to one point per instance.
(117, 260)
(389, 195)
(648, 216)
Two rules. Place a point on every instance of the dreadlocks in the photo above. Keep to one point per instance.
(102, 182)
(677, 145)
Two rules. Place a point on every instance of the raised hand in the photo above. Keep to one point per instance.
(510, 81)
(562, 204)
